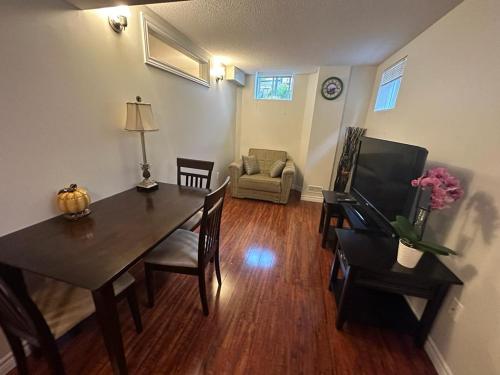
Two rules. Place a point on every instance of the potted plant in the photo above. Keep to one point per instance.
(411, 247)
(437, 190)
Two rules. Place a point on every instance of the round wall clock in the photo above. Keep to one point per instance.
(332, 88)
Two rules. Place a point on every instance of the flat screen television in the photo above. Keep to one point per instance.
(382, 176)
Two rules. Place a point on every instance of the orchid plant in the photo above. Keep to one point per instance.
(446, 188)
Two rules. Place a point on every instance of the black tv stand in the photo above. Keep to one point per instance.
(368, 263)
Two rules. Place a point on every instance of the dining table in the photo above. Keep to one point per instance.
(94, 251)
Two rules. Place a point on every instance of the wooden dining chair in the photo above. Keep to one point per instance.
(21, 319)
(189, 253)
(186, 176)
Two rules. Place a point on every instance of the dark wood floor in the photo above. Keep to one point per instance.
(273, 314)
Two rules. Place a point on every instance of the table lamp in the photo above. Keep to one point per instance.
(140, 119)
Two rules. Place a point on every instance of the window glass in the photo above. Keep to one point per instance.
(273, 87)
(390, 83)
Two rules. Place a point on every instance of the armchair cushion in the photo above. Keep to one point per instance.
(260, 182)
(251, 165)
(266, 158)
(277, 168)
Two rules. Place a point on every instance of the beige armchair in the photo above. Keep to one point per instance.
(262, 185)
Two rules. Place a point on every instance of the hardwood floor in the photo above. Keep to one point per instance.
(272, 315)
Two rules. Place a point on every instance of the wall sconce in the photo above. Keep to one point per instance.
(118, 22)
(117, 17)
(218, 71)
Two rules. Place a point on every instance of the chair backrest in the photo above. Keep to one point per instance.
(210, 224)
(266, 158)
(191, 178)
(20, 318)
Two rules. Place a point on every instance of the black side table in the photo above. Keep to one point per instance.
(369, 261)
(331, 208)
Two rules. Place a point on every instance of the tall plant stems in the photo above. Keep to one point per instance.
(351, 140)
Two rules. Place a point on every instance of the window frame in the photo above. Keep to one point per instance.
(149, 26)
(258, 76)
(394, 90)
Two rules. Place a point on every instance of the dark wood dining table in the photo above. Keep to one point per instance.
(94, 251)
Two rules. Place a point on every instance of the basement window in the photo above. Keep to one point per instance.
(273, 87)
(389, 86)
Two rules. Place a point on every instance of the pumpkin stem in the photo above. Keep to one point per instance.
(69, 189)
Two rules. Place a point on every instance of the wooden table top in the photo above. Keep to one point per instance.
(98, 248)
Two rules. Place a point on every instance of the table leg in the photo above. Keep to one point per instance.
(107, 317)
(322, 218)
(431, 309)
(340, 221)
(334, 272)
(344, 296)
(326, 225)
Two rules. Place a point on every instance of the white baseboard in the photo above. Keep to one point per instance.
(436, 358)
(8, 363)
(311, 198)
(432, 350)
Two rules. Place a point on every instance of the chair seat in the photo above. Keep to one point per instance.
(193, 221)
(64, 306)
(260, 181)
(123, 282)
(180, 249)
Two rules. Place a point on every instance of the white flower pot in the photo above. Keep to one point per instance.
(408, 256)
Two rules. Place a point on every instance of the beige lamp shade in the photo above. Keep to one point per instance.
(140, 118)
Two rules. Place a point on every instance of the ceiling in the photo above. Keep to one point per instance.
(300, 35)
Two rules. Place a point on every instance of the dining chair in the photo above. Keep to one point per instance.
(189, 253)
(187, 177)
(21, 320)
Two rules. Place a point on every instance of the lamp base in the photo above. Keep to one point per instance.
(147, 185)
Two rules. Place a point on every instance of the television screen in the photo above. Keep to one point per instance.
(383, 173)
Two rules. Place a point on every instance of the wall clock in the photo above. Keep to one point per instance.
(332, 88)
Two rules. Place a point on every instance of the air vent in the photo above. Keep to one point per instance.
(314, 188)
(235, 75)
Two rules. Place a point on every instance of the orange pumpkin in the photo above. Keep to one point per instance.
(73, 200)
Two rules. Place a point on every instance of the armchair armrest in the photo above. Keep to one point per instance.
(289, 169)
(287, 177)
(235, 171)
(236, 168)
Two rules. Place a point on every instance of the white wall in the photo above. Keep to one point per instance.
(306, 127)
(273, 124)
(356, 105)
(450, 103)
(324, 136)
(65, 77)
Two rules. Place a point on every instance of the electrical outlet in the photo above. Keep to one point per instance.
(455, 309)
(217, 176)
